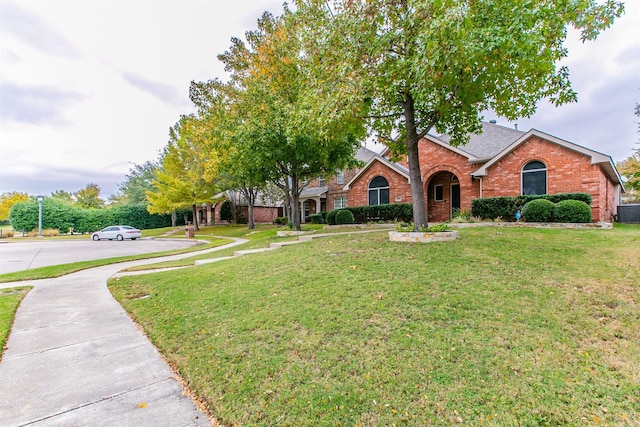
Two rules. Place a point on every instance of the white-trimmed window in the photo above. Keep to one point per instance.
(340, 202)
(378, 191)
(340, 177)
(321, 182)
(438, 192)
(534, 178)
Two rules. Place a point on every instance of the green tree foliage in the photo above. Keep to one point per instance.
(7, 200)
(281, 133)
(63, 196)
(630, 171)
(138, 181)
(89, 197)
(180, 181)
(428, 64)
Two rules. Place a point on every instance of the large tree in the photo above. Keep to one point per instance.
(428, 64)
(89, 197)
(180, 182)
(226, 160)
(281, 134)
(138, 182)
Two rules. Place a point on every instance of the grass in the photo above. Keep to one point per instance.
(501, 327)
(9, 302)
(261, 237)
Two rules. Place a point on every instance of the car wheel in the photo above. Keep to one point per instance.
(133, 238)
(120, 238)
(95, 237)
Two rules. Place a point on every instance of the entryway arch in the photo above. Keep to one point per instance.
(442, 194)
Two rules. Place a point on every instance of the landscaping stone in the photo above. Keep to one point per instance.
(422, 237)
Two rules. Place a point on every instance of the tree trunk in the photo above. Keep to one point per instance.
(195, 217)
(251, 194)
(417, 195)
(174, 218)
(295, 203)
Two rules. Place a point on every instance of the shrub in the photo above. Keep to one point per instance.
(572, 211)
(386, 212)
(506, 207)
(344, 216)
(6, 233)
(331, 217)
(50, 232)
(494, 207)
(280, 220)
(315, 218)
(538, 210)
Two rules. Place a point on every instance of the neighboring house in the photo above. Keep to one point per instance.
(263, 210)
(500, 161)
(323, 195)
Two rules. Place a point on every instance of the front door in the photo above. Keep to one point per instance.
(455, 198)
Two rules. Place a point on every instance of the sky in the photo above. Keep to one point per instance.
(90, 88)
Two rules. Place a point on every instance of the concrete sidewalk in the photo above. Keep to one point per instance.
(74, 358)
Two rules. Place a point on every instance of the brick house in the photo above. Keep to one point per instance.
(500, 161)
(321, 195)
(263, 210)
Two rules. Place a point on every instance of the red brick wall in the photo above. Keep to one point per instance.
(434, 160)
(567, 171)
(399, 189)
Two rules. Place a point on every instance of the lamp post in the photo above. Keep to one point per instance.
(40, 198)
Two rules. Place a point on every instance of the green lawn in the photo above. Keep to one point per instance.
(9, 301)
(502, 327)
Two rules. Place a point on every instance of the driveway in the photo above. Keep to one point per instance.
(18, 256)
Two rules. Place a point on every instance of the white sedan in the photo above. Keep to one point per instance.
(118, 232)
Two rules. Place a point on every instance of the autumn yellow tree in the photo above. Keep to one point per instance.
(180, 181)
(9, 199)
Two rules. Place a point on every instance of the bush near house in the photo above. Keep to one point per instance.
(280, 220)
(387, 212)
(538, 210)
(315, 218)
(572, 211)
(506, 207)
(331, 217)
(344, 216)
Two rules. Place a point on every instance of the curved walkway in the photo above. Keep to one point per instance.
(75, 358)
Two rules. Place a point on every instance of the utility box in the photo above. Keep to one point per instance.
(629, 214)
(190, 231)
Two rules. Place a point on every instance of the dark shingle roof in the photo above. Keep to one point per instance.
(364, 154)
(493, 139)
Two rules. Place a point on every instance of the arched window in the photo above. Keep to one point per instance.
(534, 178)
(378, 191)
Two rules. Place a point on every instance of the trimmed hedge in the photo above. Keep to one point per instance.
(572, 211)
(315, 218)
(63, 216)
(387, 212)
(538, 210)
(506, 207)
(344, 216)
(331, 217)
